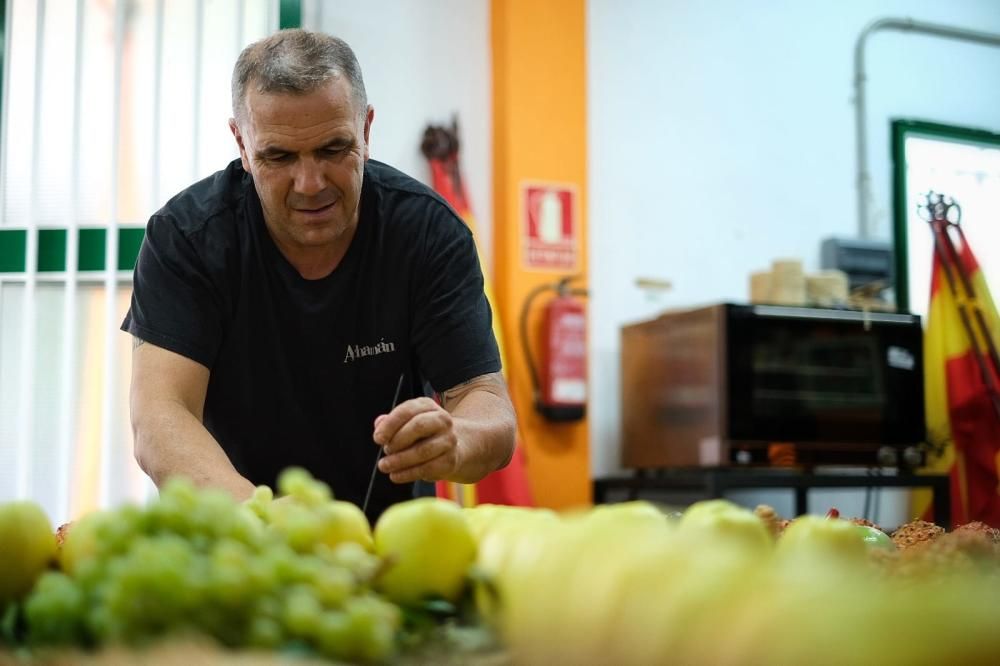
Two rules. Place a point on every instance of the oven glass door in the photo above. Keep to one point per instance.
(804, 374)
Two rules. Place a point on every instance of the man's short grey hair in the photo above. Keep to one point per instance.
(297, 62)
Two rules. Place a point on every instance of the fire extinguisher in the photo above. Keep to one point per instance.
(559, 381)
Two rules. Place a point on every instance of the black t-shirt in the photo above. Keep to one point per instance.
(301, 368)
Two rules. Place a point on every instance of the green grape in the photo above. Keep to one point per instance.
(229, 581)
(153, 587)
(212, 516)
(335, 638)
(268, 606)
(242, 525)
(265, 633)
(302, 612)
(301, 528)
(353, 557)
(116, 530)
(254, 574)
(249, 528)
(181, 490)
(91, 572)
(171, 510)
(282, 561)
(308, 568)
(302, 487)
(260, 573)
(373, 627)
(333, 586)
(260, 502)
(54, 611)
(100, 624)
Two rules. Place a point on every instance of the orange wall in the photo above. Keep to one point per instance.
(540, 134)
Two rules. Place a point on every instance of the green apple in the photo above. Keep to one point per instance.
(428, 547)
(28, 547)
(814, 535)
(875, 538)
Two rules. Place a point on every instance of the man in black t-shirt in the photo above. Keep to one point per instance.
(278, 302)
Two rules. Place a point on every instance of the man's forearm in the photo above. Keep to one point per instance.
(485, 426)
(173, 442)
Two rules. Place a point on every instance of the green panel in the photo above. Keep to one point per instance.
(91, 250)
(51, 250)
(290, 14)
(129, 242)
(901, 282)
(12, 244)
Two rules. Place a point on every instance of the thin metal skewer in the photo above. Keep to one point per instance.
(381, 449)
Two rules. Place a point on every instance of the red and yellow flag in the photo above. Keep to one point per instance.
(510, 484)
(960, 411)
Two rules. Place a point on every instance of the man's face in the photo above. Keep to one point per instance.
(307, 154)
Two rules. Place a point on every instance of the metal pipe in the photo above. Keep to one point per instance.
(199, 29)
(241, 19)
(29, 311)
(111, 266)
(159, 27)
(5, 99)
(861, 135)
(157, 101)
(68, 394)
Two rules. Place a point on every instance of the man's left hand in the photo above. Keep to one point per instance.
(419, 442)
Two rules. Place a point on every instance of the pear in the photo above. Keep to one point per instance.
(27, 547)
(428, 547)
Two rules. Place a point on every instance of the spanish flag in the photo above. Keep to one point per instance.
(959, 371)
(510, 484)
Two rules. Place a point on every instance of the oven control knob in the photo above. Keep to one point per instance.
(887, 456)
(913, 457)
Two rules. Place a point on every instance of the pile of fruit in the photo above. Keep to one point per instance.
(433, 583)
(719, 584)
(302, 574)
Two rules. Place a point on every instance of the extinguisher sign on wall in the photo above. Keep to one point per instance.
(549, 226)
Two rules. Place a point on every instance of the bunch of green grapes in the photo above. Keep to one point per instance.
(195, 561)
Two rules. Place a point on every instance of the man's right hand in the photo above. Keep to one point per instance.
(167, 401)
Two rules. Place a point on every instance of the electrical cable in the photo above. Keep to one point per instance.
(868, 495)
(876, 508)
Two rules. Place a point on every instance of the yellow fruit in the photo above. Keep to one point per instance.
(429, 547)
(635, 510)
(715, 520)
(342, 522)
(815, 537)
(27, 547)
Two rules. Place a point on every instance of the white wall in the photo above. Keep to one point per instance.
(721, 136)
(422, 63)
